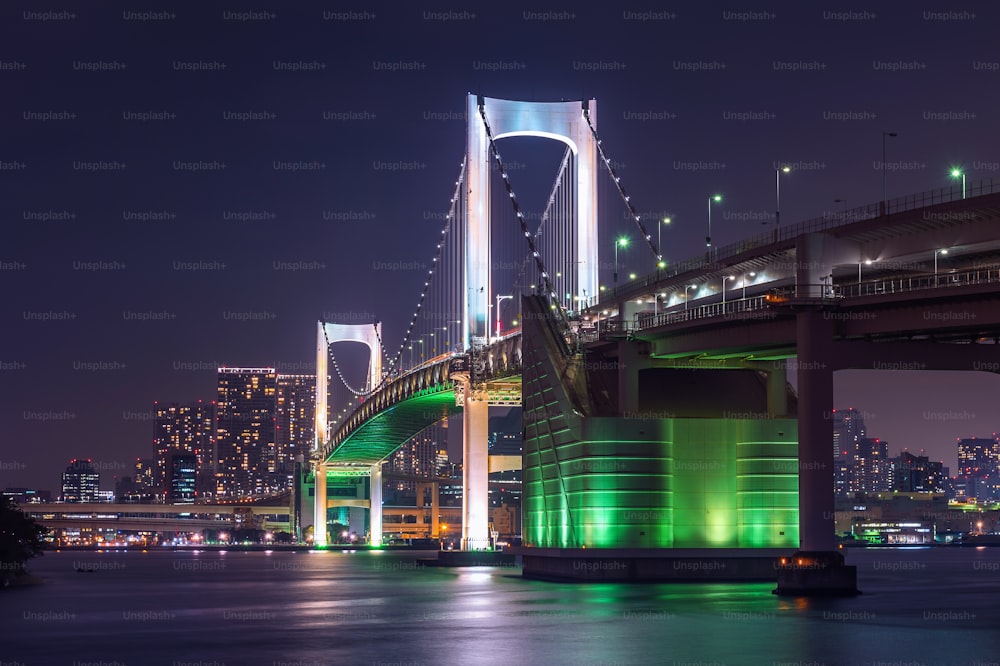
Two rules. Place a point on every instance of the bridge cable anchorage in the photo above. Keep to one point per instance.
(560, 315)
(657, 252)
(395, 363)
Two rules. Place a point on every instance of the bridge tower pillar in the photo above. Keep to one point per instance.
(435, 509)
(319, 504)
(475, 472)
(376, 505)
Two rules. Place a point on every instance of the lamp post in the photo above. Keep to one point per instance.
(885, 200)
(955, 173)
(659, 242)
(777, 193)
(868, 262)
(751, 274)
(686, 287)
(724, 280)
(499, 299)
(936, 253)
(708, 238)
(620, 242)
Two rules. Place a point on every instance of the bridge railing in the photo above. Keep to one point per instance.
(828, 220)
(918, 282)
(756, 307)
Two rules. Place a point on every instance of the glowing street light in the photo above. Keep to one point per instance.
(659, 243)
(724, 280)
(751, 274)
(620, 242)
(499, 299)
(936, 253)
(867, 262)
(777, 193)
(708, 238)
(955, 173)
(686, 287)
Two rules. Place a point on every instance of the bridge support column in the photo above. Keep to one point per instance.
(319, 507)
(475, 473)
(375, 506)
(818, 567)
(435, 509)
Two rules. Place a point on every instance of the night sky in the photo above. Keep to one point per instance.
(153, 229)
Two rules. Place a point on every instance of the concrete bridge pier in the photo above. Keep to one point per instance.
(817, 568)
(319, 507)
(375, 520)
(475, 472)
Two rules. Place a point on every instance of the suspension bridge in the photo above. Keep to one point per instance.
(657, 412)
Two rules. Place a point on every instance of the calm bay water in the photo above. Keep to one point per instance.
(921, 606)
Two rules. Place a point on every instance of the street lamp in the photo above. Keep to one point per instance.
(955, 173)
(724, 280)
(868, 262)
(936, 253)
(777, 193)
(751, 274)
(885, 200)
(708, 238)
(499, 299)
(620, 242)
(659, 243)
(686, 287)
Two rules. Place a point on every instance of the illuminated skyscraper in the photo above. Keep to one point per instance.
(917, 474)
(246, 461)
(182, 476)
(81, 482)
(871, 471)
(979, 467)
(848, 431)
(979, 456)
(182, 428)
(295, 425)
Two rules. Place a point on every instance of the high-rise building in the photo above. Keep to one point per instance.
(81, 482)
(144, 476)
(917, 474)
(848, 431)
(979, 456)
(182, 471)
(871, 469)
(979, 467)
(246, 461)
(182, 428)
(295, 424)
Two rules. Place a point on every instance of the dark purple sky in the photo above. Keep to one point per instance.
(122, 267)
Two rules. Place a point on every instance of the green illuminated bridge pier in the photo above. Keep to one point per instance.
(662, 437)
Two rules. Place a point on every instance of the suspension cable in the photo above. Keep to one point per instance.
(397, 359)
(621, 189)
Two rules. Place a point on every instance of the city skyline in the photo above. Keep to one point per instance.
(189, 196)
